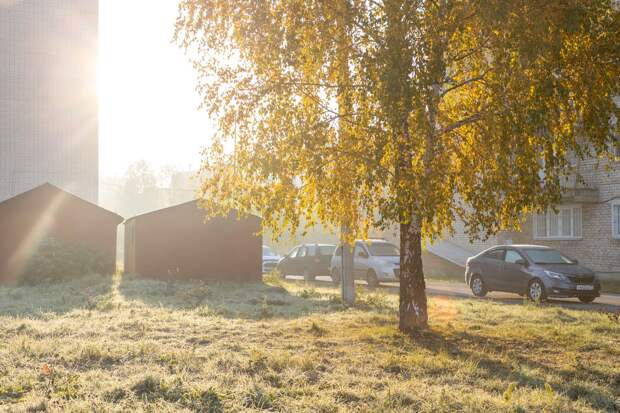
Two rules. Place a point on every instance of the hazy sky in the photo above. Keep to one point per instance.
(147, 105)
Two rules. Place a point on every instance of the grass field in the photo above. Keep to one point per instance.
(104, 344)
(610, 286)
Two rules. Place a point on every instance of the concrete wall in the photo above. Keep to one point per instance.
(461, 239)
(48, 96)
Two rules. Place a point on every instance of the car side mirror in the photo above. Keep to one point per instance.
(362, 254)
(521, 262)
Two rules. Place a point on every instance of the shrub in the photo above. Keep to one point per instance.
(54, 261)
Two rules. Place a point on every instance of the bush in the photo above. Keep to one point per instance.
(54, 262)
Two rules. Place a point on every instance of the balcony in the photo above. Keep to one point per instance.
(580, 195)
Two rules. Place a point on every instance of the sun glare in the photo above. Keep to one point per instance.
(147, 98)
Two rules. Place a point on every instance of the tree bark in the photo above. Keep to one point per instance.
(413, 306)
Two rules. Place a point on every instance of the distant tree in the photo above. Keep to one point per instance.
(140, 192)
(414, 112)
(139, 177)
(166, 175)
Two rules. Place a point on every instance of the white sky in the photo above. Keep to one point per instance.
(147, 101)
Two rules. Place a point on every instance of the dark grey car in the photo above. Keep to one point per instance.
(535, 271)
(309, 260)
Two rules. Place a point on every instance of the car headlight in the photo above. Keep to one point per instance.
(556, 275)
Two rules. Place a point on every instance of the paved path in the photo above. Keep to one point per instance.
(606, 302)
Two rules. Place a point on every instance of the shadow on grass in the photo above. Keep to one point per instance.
(38, 301)
(230, 299)
(521, 368)
(511, 300)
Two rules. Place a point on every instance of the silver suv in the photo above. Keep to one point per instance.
(374, 260)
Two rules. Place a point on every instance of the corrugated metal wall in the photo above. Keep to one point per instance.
(177, 243)
(47, 212)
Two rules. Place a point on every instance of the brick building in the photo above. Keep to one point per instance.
(586, 225)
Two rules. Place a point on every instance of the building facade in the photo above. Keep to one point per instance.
(48, 96)
(585, 225)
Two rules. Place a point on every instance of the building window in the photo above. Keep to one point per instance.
(565, 224)
(615, 219)
(616, 146)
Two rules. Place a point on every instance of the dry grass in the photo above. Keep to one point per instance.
(135, 345)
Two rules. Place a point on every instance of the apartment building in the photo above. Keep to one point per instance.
(48, 96)
(585, 225)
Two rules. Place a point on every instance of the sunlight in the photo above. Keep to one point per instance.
(147, 99)
(33, 239)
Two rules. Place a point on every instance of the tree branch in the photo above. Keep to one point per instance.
(463, 122)
(463, 83)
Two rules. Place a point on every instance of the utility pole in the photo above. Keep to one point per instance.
(345, 108)
(347, 280)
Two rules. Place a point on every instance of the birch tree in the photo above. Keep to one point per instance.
(415, 113)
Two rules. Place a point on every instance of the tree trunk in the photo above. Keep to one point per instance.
(413, 307)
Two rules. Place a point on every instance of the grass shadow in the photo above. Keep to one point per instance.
(231, 299)
(58, 298)
(522, 369)
(512, 300)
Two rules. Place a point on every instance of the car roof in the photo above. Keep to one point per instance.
(520, 246)
(529, 246)
(372, 241)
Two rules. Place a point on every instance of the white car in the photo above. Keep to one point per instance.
(270, 259)
(374, 260)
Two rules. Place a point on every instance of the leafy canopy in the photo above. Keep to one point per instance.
(377, 112)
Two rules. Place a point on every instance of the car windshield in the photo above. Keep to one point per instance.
(383, 249)
(545, 256)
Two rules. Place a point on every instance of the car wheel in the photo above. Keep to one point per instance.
(371, 279)
(477, 286)
(307, 276)
(335, 276)
(587, 300)
(536, 290)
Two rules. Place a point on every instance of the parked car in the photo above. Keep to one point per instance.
(270, 259)
(309, 260)
(374, 261)
(535, 271)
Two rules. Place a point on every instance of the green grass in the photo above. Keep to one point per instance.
(135, 345)
(610, 286)
(445, 278)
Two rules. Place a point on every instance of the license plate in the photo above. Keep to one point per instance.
(585, 287)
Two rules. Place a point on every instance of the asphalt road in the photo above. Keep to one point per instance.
(606, 302)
